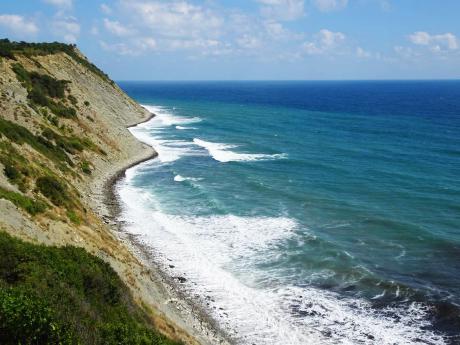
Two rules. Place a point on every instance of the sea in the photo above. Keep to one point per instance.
(305, 212)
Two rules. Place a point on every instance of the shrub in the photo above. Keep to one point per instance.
(38, 97)
(54, 190)
(14, 171)
(72, 99)
(31, 206)
(21, 135)
(11, 172)
(21, 74)
(86, 103)
(54, 120)
(25, 319)
(42, 89)
(86, 168)
(51, 295)
(71, 145)
(61, 110)
(8, 49)
(50, 86)
(73, 217)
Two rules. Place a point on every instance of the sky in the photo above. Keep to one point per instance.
(249, 39)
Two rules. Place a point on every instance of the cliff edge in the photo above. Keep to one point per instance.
(63, 137)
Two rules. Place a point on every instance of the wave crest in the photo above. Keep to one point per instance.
(222, 153)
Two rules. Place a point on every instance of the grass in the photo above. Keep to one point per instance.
(51, 144)
(17, 169)
(86, 168)
(43, 89)
(30, 205)
(8, 49)
(70, 144)
(73, 217)
(51, 295)
(55, 191)
(21, 135)
(61, 110)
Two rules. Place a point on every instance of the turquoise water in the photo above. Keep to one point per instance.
(306, 212)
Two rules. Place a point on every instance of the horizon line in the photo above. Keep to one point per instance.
(284, 80)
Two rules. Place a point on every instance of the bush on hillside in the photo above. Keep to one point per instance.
(51, 295)
(29, 205)
(8, 49)
(54, 190)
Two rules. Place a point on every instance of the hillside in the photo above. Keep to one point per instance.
(63, 137)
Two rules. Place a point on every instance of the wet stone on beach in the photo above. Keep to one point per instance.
(181, 279)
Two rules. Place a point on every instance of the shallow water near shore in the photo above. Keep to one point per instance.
(305, 212)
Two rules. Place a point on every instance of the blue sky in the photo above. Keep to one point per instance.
(249, 39)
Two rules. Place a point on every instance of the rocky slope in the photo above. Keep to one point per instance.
(63, 137)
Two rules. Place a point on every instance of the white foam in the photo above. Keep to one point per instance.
(182, 127)
(218, 255)
(169, 119)
(179, 178)
(222, 153)
(150, 133)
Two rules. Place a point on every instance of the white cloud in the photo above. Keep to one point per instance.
(68, 28)
(363, 54)
(406, 52)
(60, 3)
(435, 42)
(117, 28)
(249, 42)
(119, 48)
(282, 9)
(191, 44)
(18, 24)
(200, 29)
(325, 42)
(147, 43)
(176, 19)
(276, 31)
(330, 5)
(106, 9)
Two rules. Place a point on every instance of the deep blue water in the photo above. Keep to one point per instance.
(330, 208)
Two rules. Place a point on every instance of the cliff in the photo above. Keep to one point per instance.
(63, 137)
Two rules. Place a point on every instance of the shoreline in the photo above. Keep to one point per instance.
(168, 297)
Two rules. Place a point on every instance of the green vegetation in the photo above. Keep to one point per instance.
(55, 191)
(73, 217)
(16, 167)
(72, 100)
(86, 168)
(70, 144)
(52, 145)
(43, 83)
(51, 295)
(43, 89)
(86, 103)
(21, 73)
(61, 110)
(8, 49)
(21, 135)
(12, 173)
(31, 206)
